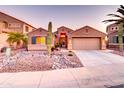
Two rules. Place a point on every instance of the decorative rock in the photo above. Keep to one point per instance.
(38, 61)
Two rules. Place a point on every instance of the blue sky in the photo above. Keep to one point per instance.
(72, 16)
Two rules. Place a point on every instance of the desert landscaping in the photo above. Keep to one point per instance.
(38, 61)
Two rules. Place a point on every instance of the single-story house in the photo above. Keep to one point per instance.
(85, 38)
(37, 39)
(112, 34)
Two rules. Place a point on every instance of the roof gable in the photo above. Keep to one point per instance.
(65, 28)
(87, 31)
(59, 29)
(40, 30)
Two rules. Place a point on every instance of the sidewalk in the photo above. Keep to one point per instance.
(97, 76)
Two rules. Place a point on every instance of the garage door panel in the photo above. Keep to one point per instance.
(86, 43)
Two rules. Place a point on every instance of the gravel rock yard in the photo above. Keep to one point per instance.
(38, 61)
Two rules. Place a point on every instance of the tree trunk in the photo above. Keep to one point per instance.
(18, 44)
(120, 36)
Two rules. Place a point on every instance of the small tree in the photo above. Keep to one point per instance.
(15, 37)
(49, 38)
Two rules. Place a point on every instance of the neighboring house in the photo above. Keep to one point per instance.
(112, 31)
(37, 39)
(11, 24)
(85, 38)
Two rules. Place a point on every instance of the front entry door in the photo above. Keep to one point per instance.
(63, 40)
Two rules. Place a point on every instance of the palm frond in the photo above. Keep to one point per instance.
(15, 37)
(110, 20)
(115, 15)
(121, 11)
(121, 6)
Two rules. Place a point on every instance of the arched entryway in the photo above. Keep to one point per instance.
(63, 40)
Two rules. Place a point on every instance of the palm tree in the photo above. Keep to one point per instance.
(15, 37)
(119, 20)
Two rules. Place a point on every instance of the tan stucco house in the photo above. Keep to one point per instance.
(11, 24)
(85, 38)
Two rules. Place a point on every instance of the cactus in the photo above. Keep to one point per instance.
(49, 38)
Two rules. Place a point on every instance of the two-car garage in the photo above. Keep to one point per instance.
(87, 38)
(86, 43)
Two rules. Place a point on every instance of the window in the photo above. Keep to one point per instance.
(14, 25)
(26, 28)
(115, 39)
(5, 24)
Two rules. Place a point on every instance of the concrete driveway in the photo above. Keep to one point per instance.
(98, 57)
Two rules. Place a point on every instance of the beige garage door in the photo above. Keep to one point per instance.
(86, 43)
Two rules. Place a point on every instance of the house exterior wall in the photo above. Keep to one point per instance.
(112, 28)
(29, 28)
(103, 43)
(69, 43)
(3, 38)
